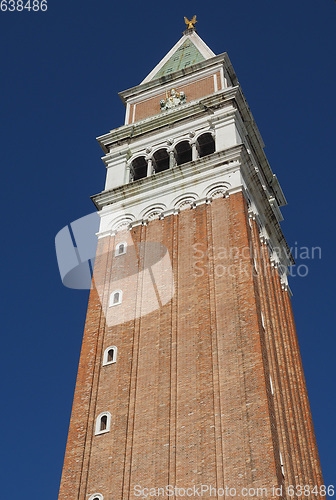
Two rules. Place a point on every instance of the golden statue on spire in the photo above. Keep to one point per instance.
(190, 24)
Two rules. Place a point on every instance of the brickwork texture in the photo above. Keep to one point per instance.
(190, 395)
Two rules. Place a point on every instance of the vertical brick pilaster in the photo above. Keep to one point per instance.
(189, 395)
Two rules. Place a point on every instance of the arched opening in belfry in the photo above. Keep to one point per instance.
(139, 168)
(183, 152)
(161, 160)
(205, 145)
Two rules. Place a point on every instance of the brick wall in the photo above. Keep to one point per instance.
(195, 90)
(190, 394)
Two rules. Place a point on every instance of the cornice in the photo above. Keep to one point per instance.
(189, 110)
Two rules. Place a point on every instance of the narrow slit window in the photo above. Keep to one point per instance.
(262, 321)
(282, 465)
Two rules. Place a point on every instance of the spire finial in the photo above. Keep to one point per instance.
(190, 24)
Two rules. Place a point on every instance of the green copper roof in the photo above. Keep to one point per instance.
(186, 55)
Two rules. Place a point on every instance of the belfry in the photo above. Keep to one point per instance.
(190, 376)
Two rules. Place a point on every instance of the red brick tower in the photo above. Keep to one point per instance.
(190, 371)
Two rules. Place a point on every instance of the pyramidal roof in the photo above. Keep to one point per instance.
(189, 50)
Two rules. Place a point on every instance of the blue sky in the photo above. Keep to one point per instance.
(61, 71)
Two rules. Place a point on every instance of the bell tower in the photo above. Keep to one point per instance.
(190, 374)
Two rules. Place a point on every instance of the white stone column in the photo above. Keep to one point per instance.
(194, 152)
(171, 158)
(127, 173)
(149, 166)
